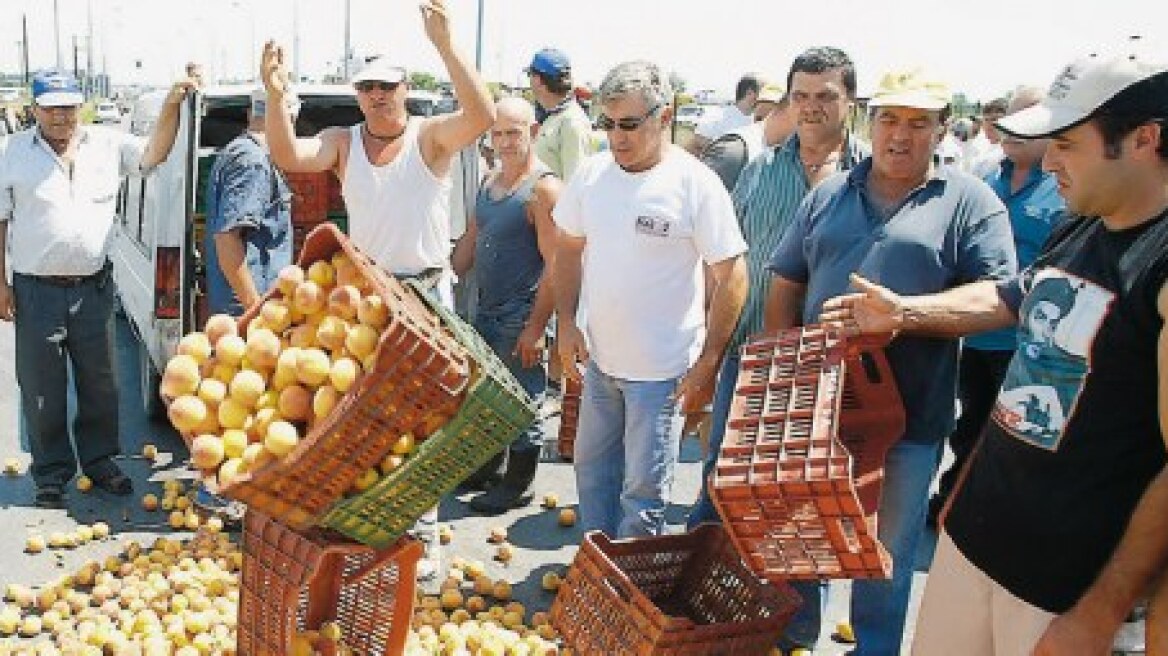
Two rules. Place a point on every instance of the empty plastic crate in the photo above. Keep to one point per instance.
(798, 477)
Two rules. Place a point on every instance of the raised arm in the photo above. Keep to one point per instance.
(166, 129)
(1090, 625)
(447, 134)
(303, 155)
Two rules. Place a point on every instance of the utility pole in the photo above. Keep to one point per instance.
(76, 69)
(348, 52)
(24, 47)
(57, 31)
(89, 51)
(296, 41)
(479, 41)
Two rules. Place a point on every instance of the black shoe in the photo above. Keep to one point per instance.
(112, 480)
(513, 491)
(500, 499)
(50, 497)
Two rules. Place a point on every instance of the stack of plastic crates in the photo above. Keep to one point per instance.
(570, 391)
(495, 411)
(799, 474)
(293, 582)
(417, 385)
(677, 595)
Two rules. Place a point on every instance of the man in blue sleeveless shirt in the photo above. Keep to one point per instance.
(508, 242)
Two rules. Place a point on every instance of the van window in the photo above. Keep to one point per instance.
(225, 118)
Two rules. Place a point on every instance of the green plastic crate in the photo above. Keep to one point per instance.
(495, 412)
(340, 220)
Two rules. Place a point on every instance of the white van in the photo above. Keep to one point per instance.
(157, 239)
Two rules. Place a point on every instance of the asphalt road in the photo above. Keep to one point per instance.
(540, 543)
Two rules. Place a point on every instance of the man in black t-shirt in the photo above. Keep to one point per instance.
(1059, 525)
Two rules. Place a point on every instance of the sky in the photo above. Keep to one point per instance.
(982, 48)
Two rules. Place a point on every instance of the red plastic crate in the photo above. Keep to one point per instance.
(295, 581)
(675, 595)
(570, 392)
(798, 477)
(310, 196)
(418, 382)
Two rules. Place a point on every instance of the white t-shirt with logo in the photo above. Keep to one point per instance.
(647, 235)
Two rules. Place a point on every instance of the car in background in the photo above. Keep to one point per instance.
(107, 112)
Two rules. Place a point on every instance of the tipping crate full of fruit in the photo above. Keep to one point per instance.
(674, 595)
(495, 411)
(326, 382)
(799, 474)
(315, 592)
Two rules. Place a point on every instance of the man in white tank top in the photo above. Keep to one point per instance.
(394, 171)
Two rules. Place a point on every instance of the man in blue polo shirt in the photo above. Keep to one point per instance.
(913, 226)
(1032, 198)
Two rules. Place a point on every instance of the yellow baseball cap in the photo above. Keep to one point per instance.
(771, 93)
(910, 89)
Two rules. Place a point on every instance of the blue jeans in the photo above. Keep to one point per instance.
(703, 510)
(500, 328)
(57, 327)
(879, 605)
(625, 453)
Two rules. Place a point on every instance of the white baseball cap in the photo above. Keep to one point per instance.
(378, 69)
(1088, 85)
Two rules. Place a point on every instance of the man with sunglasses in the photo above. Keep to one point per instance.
(395, 172)
(1060, 524)
(636, 224)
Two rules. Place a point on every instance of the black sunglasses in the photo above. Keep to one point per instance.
(628, 123)
(368, 86)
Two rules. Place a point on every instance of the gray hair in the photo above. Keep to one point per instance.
(640, 77)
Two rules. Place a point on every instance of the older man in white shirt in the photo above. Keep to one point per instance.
(58, 185)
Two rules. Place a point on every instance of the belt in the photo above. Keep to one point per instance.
(66, 281)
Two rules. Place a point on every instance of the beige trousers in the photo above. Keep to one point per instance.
(965, 613)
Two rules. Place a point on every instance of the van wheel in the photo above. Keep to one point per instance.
(149, 380)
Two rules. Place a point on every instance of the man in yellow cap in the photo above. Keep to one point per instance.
(917, 228)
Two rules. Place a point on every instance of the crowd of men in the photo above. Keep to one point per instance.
(1016, 261)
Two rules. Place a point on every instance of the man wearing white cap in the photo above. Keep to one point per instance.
(58, 189)
(1060, 525)
(917, 228)
(395, 171)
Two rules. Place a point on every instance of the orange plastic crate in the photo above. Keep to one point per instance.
(570, 392)
(417, 385)
(310, 196)
(798, 477)
(676, 595)
(295, 581)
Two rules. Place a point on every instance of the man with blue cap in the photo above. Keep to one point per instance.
(565, 133)
(58, 188)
